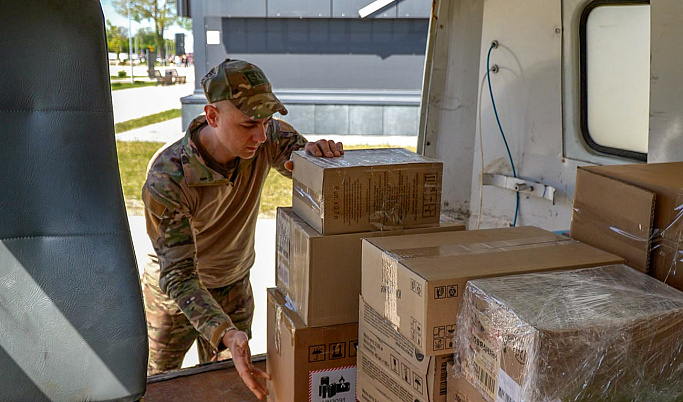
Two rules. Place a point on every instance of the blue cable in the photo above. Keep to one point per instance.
(500, 127)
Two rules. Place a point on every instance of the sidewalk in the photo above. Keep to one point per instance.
(138, 102)
(172, 129)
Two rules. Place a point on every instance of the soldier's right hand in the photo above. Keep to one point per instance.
(238, 343)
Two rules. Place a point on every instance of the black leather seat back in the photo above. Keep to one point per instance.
(71, 317)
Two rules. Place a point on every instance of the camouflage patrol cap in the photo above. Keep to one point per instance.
(243, 84)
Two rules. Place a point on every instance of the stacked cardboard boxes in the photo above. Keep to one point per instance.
(412, 289)
(313, 313)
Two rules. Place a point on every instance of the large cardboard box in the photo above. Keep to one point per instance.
(633, 211)
(459, 390)
(392, 364)
(416, 281)
(309, 364)
(597, 334)
(367, 189)
(320, 275)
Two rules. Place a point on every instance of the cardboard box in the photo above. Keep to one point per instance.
(309, 364)
(416, 281)
(633, 211)
(367, 189)
(391, 364)
(606, 333)
(320, 275)
(459, 390)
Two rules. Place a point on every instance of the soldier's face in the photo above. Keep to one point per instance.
(238, 133)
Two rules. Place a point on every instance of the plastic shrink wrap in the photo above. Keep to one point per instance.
(608, 333)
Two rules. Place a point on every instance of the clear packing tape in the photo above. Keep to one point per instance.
(598, 334)
(650, 241)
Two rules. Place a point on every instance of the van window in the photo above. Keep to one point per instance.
(615, 77)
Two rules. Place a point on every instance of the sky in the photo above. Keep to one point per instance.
(122, 20)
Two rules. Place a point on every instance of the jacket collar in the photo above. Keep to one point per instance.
(195, 168)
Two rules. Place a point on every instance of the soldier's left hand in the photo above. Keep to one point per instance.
(322, 148)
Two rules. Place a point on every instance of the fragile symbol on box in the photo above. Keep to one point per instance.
(316, 353)
(337, 350)
(439, 332)
(416, 287)
(440, 292)
(416, 331)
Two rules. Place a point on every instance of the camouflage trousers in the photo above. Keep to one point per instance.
(171, 334)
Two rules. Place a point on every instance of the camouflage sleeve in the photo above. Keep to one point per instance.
(284, 140)
(171, 235)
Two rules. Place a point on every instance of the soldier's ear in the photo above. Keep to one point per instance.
(211, 112)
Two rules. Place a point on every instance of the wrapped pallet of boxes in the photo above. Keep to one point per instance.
(416, 281)
(391, 368)
(366, 190)
(635, 212)
(305, 363)
(597, 334)
(320, 275)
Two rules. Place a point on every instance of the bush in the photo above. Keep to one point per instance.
(122, 74)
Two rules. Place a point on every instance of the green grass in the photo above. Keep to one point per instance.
(116, 77)
(146, 120)
(115, 86)
(134, 157)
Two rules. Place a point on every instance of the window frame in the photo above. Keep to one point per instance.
(639, 156)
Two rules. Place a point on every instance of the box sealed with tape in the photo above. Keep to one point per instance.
(366, 190)
(319, 283)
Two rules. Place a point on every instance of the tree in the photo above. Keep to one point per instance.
(117, 38)
(160, 12)
(185, 23)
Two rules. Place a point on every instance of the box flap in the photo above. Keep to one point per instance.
(488, 252)
(613, 216)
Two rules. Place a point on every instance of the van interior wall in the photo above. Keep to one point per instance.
(537, 94)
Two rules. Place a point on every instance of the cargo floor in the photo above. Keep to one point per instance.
(206, 383)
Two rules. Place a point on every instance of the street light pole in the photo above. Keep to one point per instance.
(130, 45)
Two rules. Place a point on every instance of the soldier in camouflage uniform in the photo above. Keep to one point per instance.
(201, 205)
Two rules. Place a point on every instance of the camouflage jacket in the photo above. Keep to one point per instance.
(202, 221)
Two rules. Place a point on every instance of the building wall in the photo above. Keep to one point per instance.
(336, 73)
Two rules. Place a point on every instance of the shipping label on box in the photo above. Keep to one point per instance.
(365, 190)
(416, 281)
(332, 385)
(309, 363)
(321, 286)
(387, 352)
